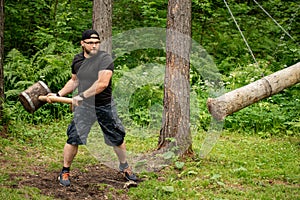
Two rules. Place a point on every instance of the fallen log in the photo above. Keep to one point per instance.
(240, 98)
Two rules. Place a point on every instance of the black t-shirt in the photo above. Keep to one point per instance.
(87, 70)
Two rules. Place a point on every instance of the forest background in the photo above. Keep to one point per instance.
(41, 38)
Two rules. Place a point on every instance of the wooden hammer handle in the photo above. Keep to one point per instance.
(56, 99)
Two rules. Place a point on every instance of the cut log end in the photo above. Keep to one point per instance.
(215, 109)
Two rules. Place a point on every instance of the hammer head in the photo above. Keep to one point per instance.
(30, 97)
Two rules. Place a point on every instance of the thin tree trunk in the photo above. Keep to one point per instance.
(1, 57)
(242, 97)
(102, 22)
(175, 130)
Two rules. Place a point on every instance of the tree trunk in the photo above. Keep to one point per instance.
(175, 133)
(242, 97)
(1, 57)
(102, 22)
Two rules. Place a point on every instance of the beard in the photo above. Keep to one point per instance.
(91, 52)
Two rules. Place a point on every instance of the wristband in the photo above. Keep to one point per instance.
(81, 95)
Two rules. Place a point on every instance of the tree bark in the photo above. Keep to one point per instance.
(242, 97)
(175, 133)
(1, 57)
(102, 23)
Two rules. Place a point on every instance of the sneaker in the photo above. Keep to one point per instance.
(64, 179)
(128, 174)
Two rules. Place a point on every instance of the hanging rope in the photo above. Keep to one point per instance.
(291, 20)
(274, 21)
(241, 33)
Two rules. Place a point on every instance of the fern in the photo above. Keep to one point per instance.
(48, 64)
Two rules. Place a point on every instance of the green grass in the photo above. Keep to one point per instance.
(21, 194)
(240, 166)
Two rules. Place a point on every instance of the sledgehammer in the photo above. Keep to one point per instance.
(35, 96)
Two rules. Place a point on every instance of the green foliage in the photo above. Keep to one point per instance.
(15, 77)
(19, 35)
(139, 57)
(42, 45)
(60, 20)
(48, 65)
(221, 38)
(141, 102)
(154, 13)
(139, 13)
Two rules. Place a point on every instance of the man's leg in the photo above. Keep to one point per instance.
(70, 152)
(77, 132)
(124, 167)
(114, 134)
(121, 152)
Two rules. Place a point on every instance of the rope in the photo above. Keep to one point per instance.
(291, 20)
(274, 21)
(241, 33)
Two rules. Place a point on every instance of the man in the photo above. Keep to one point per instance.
(92, 72)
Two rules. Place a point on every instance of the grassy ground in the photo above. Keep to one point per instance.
(239, 167)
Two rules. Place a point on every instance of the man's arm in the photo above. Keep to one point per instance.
(69, 87)
(100, 84)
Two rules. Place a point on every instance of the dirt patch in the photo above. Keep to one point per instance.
(96, 182)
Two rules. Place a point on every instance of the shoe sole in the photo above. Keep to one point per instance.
(123, 173)
(58, 178)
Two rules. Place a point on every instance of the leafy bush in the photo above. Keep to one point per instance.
(142, 101)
